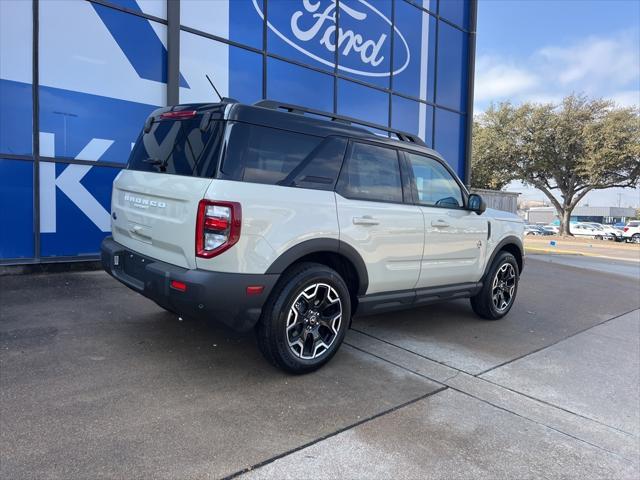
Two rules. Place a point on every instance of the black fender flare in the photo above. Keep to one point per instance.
(319, 245)
(508, 240)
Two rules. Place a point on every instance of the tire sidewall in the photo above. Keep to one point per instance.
(288, 294)
(503, 258)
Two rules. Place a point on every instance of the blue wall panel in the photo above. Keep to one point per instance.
(450, 137)
(16, 209)
(103, 70)
(75, 233)
(16, 124)
(75, 119)
(452, 67)
(290, 83)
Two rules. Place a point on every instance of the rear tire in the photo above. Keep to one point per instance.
(499, 288)
(305, 319)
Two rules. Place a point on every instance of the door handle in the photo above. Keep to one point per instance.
(365, 220)
(439, 223)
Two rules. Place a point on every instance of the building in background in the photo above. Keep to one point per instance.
(78, 78)
(604, 215)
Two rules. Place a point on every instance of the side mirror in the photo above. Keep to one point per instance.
(476, 204)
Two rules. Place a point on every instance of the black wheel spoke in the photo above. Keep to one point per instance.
(503, 286)
(312, 317)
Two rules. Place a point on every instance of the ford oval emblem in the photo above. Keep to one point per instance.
(312, 31)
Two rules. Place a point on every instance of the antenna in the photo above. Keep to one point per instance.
(214, 87)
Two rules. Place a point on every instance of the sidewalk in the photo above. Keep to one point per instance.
(568, 410)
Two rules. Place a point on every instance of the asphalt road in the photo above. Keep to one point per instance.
(98, 382)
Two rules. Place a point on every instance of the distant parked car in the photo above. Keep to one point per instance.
(589, 231)
(535, 230)
(553, 229)
(631, 232)
(615, 233)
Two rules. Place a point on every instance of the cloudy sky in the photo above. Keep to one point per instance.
(542, 50)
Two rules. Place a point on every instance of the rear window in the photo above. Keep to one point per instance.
(272, 156)
(179, 147)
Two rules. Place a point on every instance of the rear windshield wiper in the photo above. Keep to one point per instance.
(153, 161)
(156, 161)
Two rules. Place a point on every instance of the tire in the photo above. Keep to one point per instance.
(635, 238)
(292, 334)
(502, 269)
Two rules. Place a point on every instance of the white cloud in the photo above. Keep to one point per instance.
(613, 60)
(495, 79)
(607, 67)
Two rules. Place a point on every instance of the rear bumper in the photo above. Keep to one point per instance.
(209, 295)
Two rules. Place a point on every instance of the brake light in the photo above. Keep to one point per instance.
(178, 115)
(625, 229)
(217, 227)
(177, 285)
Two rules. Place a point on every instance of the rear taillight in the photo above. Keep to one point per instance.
(217, 227)
(625, 229)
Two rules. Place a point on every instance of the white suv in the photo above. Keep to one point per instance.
(269, 217)
(631, 231)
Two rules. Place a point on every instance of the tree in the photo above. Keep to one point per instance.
(572, 148)
(488, 168)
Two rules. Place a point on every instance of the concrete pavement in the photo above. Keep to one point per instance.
(97, 382)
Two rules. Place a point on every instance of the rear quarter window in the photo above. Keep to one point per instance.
(259, 154)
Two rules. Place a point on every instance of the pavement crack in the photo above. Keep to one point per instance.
(520, 357)
(394, 363)
(548, 404)
(408, 351)
(504, 409)
(333, 434)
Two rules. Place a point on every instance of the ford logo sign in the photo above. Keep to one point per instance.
(362, 39)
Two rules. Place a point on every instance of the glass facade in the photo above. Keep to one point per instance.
(74, 93)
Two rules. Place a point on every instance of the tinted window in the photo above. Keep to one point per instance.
(434, 184)
(278, 157)
(372, 173)
(179, 147)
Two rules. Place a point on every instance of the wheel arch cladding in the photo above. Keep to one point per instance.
(331, 252)
(512, 245)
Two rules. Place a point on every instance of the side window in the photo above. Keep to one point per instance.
(371, 173)
(434, 184)
(278, 157)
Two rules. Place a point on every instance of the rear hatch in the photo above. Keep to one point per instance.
(155, 200)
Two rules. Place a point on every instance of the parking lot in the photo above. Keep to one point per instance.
(98, 382)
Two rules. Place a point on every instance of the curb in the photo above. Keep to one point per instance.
(573, 252)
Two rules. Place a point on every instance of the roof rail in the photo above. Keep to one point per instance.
(288, 107)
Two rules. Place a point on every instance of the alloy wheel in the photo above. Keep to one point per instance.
(503, 287)
(314, 320)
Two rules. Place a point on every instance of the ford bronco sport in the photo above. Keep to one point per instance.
(290, 221)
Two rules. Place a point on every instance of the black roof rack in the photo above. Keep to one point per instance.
(288, 107)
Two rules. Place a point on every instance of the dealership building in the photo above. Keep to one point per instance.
(79, 77)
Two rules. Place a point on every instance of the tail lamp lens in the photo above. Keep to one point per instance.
(625, 229)
(217, 227)
(178, 115)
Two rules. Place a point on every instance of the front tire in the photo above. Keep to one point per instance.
(305, 319)
(499, 289)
